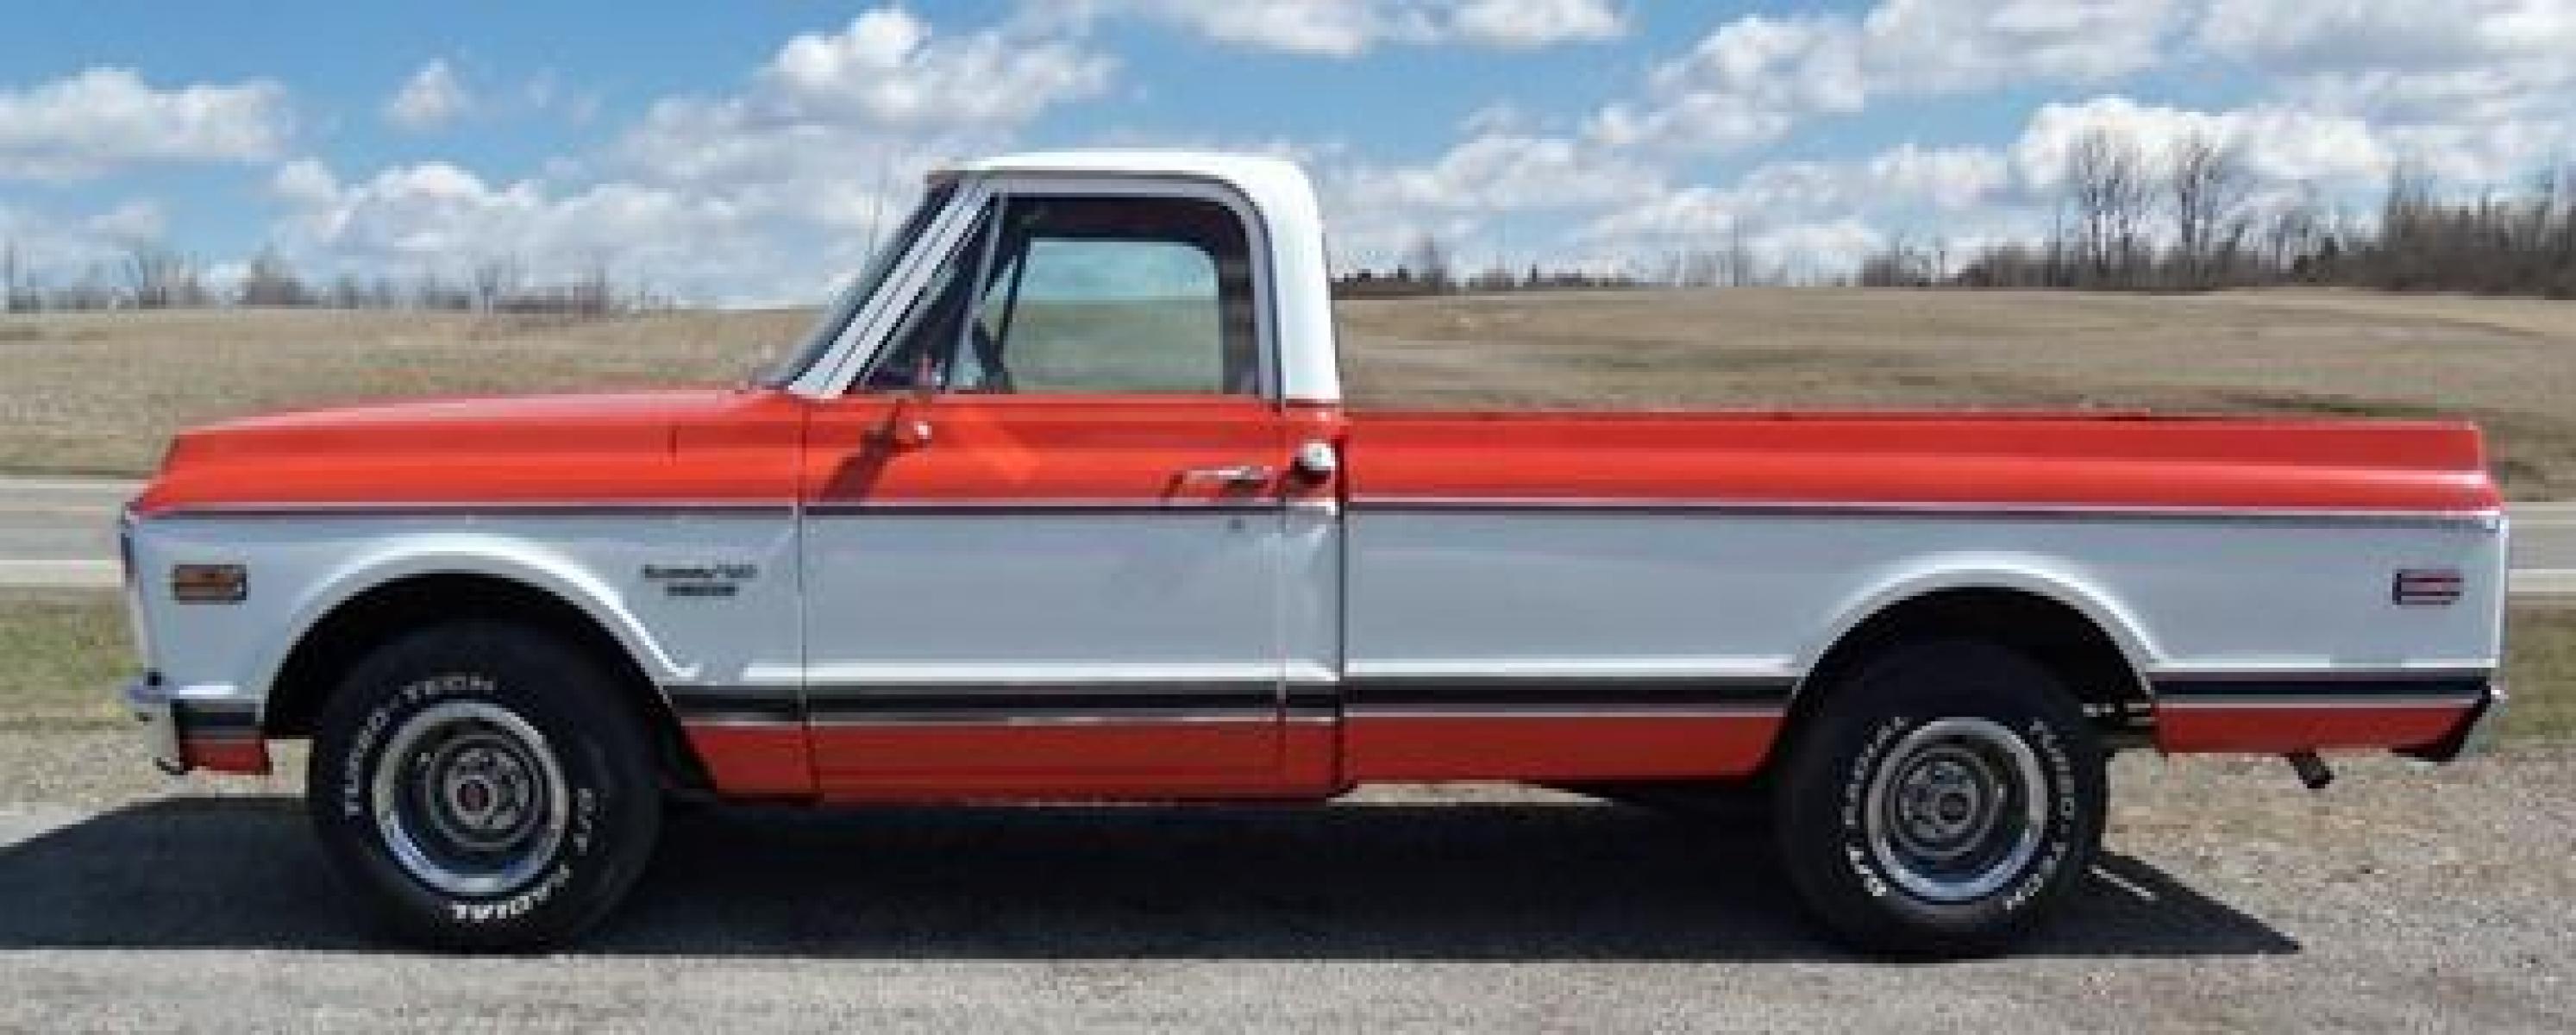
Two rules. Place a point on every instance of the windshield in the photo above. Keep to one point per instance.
(819, 341)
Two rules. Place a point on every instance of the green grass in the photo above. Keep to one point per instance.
(62, 655)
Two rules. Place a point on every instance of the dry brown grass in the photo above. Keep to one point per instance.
(102, 392)
(2507, 363)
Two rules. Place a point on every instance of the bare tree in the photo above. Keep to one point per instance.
(270, 281)
(13, 280)
(1428, 262)
(2108, 189)
(2206, 187)
(495, 277)
(158, 278)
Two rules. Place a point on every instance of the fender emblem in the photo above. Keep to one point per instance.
(701, 580)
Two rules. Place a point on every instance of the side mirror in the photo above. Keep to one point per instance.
(925, 376)
(1316, 461)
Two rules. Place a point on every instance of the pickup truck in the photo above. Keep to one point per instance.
(1061, 502)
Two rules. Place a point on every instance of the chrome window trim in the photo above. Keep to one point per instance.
(859, 345)
(872, 321)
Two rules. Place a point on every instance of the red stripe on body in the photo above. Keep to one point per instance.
(2045, 460)
(2185, 728)
(237, 755)
(1397, 748)
(754, 761)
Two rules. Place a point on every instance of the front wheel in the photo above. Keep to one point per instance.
(483, 786)
(1948, 796)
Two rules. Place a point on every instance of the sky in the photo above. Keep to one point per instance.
(748, 152)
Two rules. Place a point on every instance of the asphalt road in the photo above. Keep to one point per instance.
(2401, 899)
(57, 532)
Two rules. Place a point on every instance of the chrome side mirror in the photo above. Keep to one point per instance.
(1316, 460)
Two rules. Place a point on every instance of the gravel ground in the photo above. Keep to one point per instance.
(2402, 898)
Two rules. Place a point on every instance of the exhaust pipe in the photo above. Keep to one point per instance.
(2313, 772)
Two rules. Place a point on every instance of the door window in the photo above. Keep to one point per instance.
(1100, 295)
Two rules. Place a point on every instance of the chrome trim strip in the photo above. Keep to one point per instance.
(1263, 717)
(1380, 505)
(2053, 511)
(711, 508)
(2186, 678)
(1565, 710)
(2268, 702)
(993, 508)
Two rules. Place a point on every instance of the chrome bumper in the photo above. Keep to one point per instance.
(150, 703)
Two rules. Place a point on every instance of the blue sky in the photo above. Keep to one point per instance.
(744, 152)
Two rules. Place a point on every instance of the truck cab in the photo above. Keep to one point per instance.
(1061, 501)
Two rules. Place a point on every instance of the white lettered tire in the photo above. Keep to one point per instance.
(481, 785)
(1947, 797)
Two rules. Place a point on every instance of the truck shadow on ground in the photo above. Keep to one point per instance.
(1502, 881)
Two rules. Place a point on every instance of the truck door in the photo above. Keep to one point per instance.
(1042, 548)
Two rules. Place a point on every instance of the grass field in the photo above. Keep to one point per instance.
(100, 393)
(61, 653)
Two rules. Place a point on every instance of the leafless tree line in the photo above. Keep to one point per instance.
(2191, 219)
(151, 276)
(1427, 269)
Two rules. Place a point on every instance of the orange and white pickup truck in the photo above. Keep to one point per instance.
(1062, 502)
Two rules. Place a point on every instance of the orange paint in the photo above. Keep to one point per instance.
(1604, 747)
(754, 761)
(237, 755)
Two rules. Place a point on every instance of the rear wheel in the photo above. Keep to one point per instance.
(1946, 799)
(484, 786)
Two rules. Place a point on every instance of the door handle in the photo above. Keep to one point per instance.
(1231, 474)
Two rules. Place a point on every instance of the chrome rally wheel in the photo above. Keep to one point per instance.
(483, 785)
(1956, 809)
(1942, 798)
(470, 799)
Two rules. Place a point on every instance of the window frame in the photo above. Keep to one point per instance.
(865, 339)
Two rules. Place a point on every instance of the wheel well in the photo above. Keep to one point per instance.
(2057, 636)
(361, 624)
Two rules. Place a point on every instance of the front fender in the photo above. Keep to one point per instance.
(511, 558)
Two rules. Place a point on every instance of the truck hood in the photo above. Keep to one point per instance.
(607, 447)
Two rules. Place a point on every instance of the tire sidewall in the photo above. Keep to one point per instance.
(1827, 823)
(611, 807)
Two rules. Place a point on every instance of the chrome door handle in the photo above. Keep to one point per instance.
(1231, 474)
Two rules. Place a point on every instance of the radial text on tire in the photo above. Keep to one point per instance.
(1946, 797)
(484, 786)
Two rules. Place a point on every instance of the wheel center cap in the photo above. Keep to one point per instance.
(473, 798)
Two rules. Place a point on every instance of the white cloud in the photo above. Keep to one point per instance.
(887, 67)
(1534, 23)
(1951, 178)
(439, 218)
(1502, 172)
(2278, 144)
(1951, 45)
(2476, 91)
(1346, 28)
(1754, 78)
(431, 98)
(138, 220)
(1906, 183)
(106, 118)
(773, 191)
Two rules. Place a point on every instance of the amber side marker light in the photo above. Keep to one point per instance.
(209, 583)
